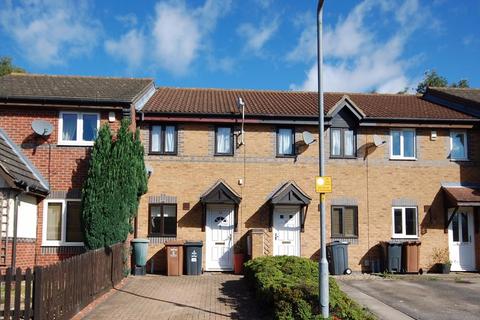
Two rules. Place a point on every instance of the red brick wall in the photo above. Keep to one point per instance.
(64, 167)
(25, 253)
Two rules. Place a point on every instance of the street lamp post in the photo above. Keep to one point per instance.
(323, 264)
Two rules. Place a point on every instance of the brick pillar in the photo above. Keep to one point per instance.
(257, 242)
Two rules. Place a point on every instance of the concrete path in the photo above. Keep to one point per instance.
(424, 297)
(210, 296)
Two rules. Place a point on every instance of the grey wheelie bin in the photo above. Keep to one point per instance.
(193, 258)
(337, 256)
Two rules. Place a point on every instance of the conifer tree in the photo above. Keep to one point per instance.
(108, 218)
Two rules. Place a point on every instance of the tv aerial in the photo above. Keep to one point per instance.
(42, 128)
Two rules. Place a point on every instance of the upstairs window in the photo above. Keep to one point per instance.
(458, 145)
(163, 139)
(223, 141)
(78, 128)
(405, 222)
(162, 220)
(63, 224)
(402, 144)
(285, 142)
(345, 221)
(342, 143)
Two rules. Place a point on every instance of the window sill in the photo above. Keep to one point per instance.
(286, 155)
(162, 154)
(402, 159)
(63, 244)
(347, 158)
(75, 144)
(405, 237)
(460, 160)
(223, 154)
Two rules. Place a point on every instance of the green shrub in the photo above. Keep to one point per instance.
(289, 286)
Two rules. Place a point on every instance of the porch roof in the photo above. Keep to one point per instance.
(220, 192)
(289, 193)
(463, 196)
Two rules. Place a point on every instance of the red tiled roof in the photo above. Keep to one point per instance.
(463, 194)
(293, 104)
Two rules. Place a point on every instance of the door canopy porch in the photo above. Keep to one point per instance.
(461, 196)
(289, 194)
(220, 193)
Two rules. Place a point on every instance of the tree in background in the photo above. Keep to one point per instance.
(433, 79)
(6, 66)
(116, 179)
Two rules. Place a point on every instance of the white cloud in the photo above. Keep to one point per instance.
(50, 32)
(175, 38)
(129, 19)
(257, 36)
(356, 59)
(130, 47)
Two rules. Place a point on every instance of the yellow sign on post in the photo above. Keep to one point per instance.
(323, 184)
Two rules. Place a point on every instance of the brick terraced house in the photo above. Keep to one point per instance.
(45, 172)
(404, 167)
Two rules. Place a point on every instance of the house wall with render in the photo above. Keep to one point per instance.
(64, 167)
(371, 181)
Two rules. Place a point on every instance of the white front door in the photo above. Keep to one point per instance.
(219, 234)
(286, 231)
(461, 242)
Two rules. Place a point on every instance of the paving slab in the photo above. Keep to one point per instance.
(210, 296)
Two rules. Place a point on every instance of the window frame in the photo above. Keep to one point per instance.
(403, 235)
(355, 218)
(161, 234)
(63, 236)
(162, 140)
(465, 134)
(294, 151)
(402, 144)
(79, 141)
(232, 141)
(342, 143)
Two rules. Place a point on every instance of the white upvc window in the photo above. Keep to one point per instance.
(458, 145)
(62, 223)
(403, 144)
(404, 222)
(78, 128)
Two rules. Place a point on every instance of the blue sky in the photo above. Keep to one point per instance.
(382, 45)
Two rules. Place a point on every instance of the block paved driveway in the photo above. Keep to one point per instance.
(210, 296)
(430, 296)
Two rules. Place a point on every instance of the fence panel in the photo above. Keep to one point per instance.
(61, 290)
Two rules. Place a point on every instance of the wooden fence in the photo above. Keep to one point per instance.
(61, 290)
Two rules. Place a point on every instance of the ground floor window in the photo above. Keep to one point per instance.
(62, 223)
(162, 220)
(344, 221)
(405, 222)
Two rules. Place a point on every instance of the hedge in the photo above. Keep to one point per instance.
(289, 286)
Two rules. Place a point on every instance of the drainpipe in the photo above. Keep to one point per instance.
(15, 228)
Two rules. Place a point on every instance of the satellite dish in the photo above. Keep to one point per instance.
(148, 170)
(308, 138)
(378, 141)
(42, 127)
